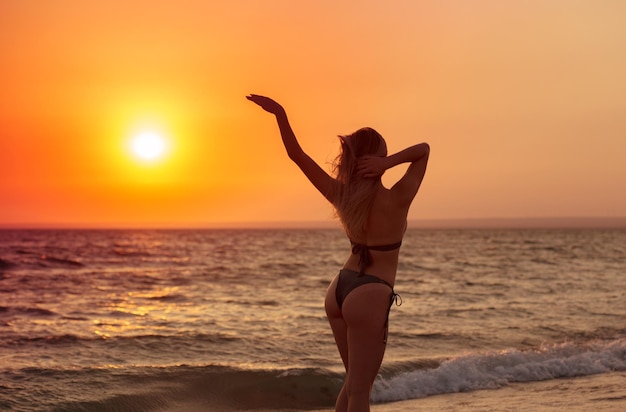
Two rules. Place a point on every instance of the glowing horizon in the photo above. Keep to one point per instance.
(522, 123)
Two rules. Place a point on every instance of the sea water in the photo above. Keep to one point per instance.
(166, 320)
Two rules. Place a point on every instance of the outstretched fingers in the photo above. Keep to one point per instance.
(266, 103)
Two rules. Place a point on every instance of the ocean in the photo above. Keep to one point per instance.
(227, 320)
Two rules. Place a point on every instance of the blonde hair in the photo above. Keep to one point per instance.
(355, 194)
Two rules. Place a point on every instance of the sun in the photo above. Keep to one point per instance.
(148, 145)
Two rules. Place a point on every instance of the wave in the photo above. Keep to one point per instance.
(132, 252)
(498, 369)
(169, 297)
(224, 388)
(25, 311)
(217, 337)
(38, 261)
(215, 388)
(61, 261)
(6, 264)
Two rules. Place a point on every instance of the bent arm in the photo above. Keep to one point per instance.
(406, 188)
(373, 166)
(409, 155)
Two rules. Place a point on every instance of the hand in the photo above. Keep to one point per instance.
(371, 166)
(266, 103)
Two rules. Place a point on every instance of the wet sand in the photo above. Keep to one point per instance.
(604, 392)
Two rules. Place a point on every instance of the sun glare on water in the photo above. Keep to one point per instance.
(149, 146)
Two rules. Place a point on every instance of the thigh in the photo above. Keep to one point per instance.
(337, 323)
(365, 311)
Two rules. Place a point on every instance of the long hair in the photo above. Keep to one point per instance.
(355, 194)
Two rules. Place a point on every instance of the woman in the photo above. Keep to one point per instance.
(359, 298)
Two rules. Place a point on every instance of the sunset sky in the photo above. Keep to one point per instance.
(522, 102)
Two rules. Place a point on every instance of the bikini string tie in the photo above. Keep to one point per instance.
(397, 299)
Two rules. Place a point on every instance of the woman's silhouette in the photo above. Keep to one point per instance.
(359, 298)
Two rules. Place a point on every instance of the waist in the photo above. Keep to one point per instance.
(385, 268)
(352, 275)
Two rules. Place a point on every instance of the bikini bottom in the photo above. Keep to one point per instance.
(349, 280)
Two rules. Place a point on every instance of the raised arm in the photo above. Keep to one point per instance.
(316, 175)
(406, 188)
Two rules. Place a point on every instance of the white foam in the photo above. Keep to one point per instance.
(497, 369)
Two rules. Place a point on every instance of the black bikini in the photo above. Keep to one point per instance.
(364, 252)
(349, 279)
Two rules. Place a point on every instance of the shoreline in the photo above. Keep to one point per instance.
(601, 392)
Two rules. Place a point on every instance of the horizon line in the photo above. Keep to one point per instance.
(439, 223)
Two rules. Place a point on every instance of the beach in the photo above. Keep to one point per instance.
(605, 392)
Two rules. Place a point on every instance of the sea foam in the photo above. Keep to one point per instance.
(496, 369)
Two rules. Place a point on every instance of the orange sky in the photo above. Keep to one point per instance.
(522, 103)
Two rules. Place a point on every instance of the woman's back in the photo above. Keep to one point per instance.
(386, 225)
(387, 218)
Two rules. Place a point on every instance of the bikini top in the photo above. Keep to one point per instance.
(364, 252)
